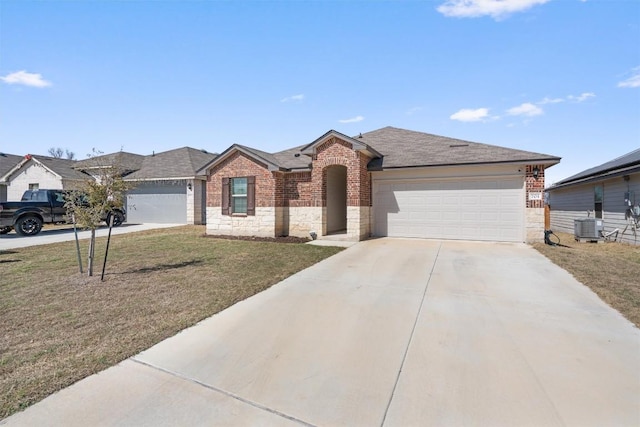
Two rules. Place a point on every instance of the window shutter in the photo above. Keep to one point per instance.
(225, 196)
(251, 195)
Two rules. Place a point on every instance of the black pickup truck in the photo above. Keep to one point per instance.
(39, 207)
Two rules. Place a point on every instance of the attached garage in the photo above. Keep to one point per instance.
(158, 202)
(466, 208)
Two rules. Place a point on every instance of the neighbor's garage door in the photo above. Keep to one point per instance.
(469, 209)
(157, 203)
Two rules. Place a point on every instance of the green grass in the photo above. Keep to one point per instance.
(59, 326)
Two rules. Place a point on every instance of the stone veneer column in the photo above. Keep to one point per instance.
(534, 212)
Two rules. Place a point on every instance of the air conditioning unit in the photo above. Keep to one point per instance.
(587, 228)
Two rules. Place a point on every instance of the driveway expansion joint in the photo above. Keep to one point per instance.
(413, 330)
(224, 392)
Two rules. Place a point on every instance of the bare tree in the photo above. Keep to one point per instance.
(58, 152)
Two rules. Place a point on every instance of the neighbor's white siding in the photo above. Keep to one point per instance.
(31, 173)
(575, 202)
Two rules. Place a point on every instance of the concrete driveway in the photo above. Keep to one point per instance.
(389, 332)
(55, 235)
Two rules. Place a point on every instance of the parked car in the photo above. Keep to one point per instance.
(39, 207)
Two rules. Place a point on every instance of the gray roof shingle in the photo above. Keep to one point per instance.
(406, 148)
(179, 163)
(8, 162)
(63, 167)
(128, 162)
(623, 162)
(400, 148)
(292, 158)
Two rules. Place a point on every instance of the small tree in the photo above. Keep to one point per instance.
(96, 200)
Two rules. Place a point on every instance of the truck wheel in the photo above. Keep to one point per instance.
(118, 219)
(28, 225)
(5, 230)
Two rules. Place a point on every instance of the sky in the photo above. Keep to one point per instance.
(559, 77)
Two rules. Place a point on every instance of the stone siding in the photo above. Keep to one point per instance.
(303, 220)
(261, 224)
(534, 224)
(534, 211)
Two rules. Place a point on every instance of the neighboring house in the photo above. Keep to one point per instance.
(168, 188)
(389, 182)
(35, 171)
(610, 191)
(124, 163)
(7, 162)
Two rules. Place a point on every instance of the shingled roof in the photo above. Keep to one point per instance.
(65, 168)
(622, 165)
(398, 148)
(127, 162)
(181, 163)
(8, 162)
(405, 148)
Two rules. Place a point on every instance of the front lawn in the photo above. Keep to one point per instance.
(59, 327)
(611, 270)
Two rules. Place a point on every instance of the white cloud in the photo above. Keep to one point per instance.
(26, 79)
(497, 9)
(581, 97)
(547, 100)
(527, 109)
(413, 110)
(352, 120)
(293, 98)
(633, 81)
(469, 115)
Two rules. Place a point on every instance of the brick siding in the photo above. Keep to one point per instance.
(337, 152)
(534, 186)
(239, 165)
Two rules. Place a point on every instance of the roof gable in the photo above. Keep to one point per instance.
(404, 148)
(62, 168)
(261, 157)
(357, 143)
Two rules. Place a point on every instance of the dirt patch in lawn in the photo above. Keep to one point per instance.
(610, 269)
(59, 326)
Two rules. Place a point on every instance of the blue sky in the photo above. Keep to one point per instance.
(560, 77)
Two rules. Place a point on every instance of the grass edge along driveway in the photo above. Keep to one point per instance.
(610, 269)
(59, 326)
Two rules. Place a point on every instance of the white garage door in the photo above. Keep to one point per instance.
(157, 203)
(469, 209)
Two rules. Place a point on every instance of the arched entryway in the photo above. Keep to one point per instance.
(336, 185)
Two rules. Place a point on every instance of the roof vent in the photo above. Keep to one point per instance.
(458, 145)
(296, 155)
(360, 136)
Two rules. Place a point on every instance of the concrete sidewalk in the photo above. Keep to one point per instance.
(388, 332)
(46, 236)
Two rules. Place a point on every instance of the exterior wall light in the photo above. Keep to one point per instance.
(189, 186)
(536, 172)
